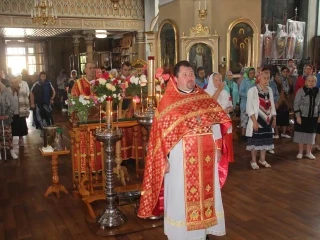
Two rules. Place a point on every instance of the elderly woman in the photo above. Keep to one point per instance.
(114, 73)
(6, 113)
(262, 118)
(248, 82)
(21, 107)
(306, 108)
(232, 88)
(223, 98)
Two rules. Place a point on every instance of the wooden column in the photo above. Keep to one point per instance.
(89, 36)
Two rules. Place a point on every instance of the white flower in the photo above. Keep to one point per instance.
(132, 79)
(113, 88)
(143, 78)
(102, 81)
(73, 102)
(119, 98)
(109, 86)
(143, 82)
(114, 95)
(158, 88)
(119, 81)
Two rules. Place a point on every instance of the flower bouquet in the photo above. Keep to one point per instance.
(80, 105)
(136, 86)
(103, 88)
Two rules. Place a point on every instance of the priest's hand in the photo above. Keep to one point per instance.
(218, 155)
(167, 167)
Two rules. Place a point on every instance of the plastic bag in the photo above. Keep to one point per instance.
(280, 41)
(291, 39)
(300, 28)
(267, 43)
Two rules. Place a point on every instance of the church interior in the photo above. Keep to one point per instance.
(99, 166)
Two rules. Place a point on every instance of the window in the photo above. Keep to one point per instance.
(25, 56)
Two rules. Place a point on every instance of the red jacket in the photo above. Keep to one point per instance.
(299, 84)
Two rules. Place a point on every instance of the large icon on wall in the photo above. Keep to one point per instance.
(200, 55)
(168, 46)
(242, 45)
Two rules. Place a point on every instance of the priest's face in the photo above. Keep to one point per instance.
(186, 79)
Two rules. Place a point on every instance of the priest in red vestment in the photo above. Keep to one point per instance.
(82, 87)
(184, 148)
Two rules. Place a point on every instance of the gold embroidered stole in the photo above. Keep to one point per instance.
(199, 158)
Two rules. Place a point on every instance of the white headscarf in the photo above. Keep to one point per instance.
(224, 97)
(211, 89)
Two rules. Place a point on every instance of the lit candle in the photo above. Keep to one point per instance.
(118, 111)
(134, 101)
(199, 5)
(151, 81)
(141, 101)
(111, 119)
(100, 115)
(157, 99)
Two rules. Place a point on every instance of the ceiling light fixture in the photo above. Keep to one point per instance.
(43, 12)
(101, 33)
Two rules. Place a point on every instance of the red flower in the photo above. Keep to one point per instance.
(115, 82)
(159, 72)
(165, 77)
(96, 83)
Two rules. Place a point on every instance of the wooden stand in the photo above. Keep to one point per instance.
(55, 187)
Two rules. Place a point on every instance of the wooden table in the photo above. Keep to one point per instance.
(56, 187)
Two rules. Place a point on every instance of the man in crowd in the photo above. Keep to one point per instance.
(184, 149)
(201, 80)
(82, 87)
(125, 70)
(41, 98)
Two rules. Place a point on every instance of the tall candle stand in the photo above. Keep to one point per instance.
(145, 118)
(112, 216)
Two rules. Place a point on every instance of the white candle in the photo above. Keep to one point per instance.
(199, 5)
(205, 5)
(118, 111)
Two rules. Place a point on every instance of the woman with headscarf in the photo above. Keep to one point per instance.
(41, 98)
(21, 107)
(262, 118)
(6, 113)
(232, 88)
(223, 98)
(248, 82)
(307, 109)
(113, 73)
(307, 70)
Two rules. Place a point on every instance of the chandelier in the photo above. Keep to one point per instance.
(43, 12)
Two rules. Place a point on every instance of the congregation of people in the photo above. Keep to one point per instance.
(271, 104)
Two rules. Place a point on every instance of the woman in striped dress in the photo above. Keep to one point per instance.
(262, 118)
